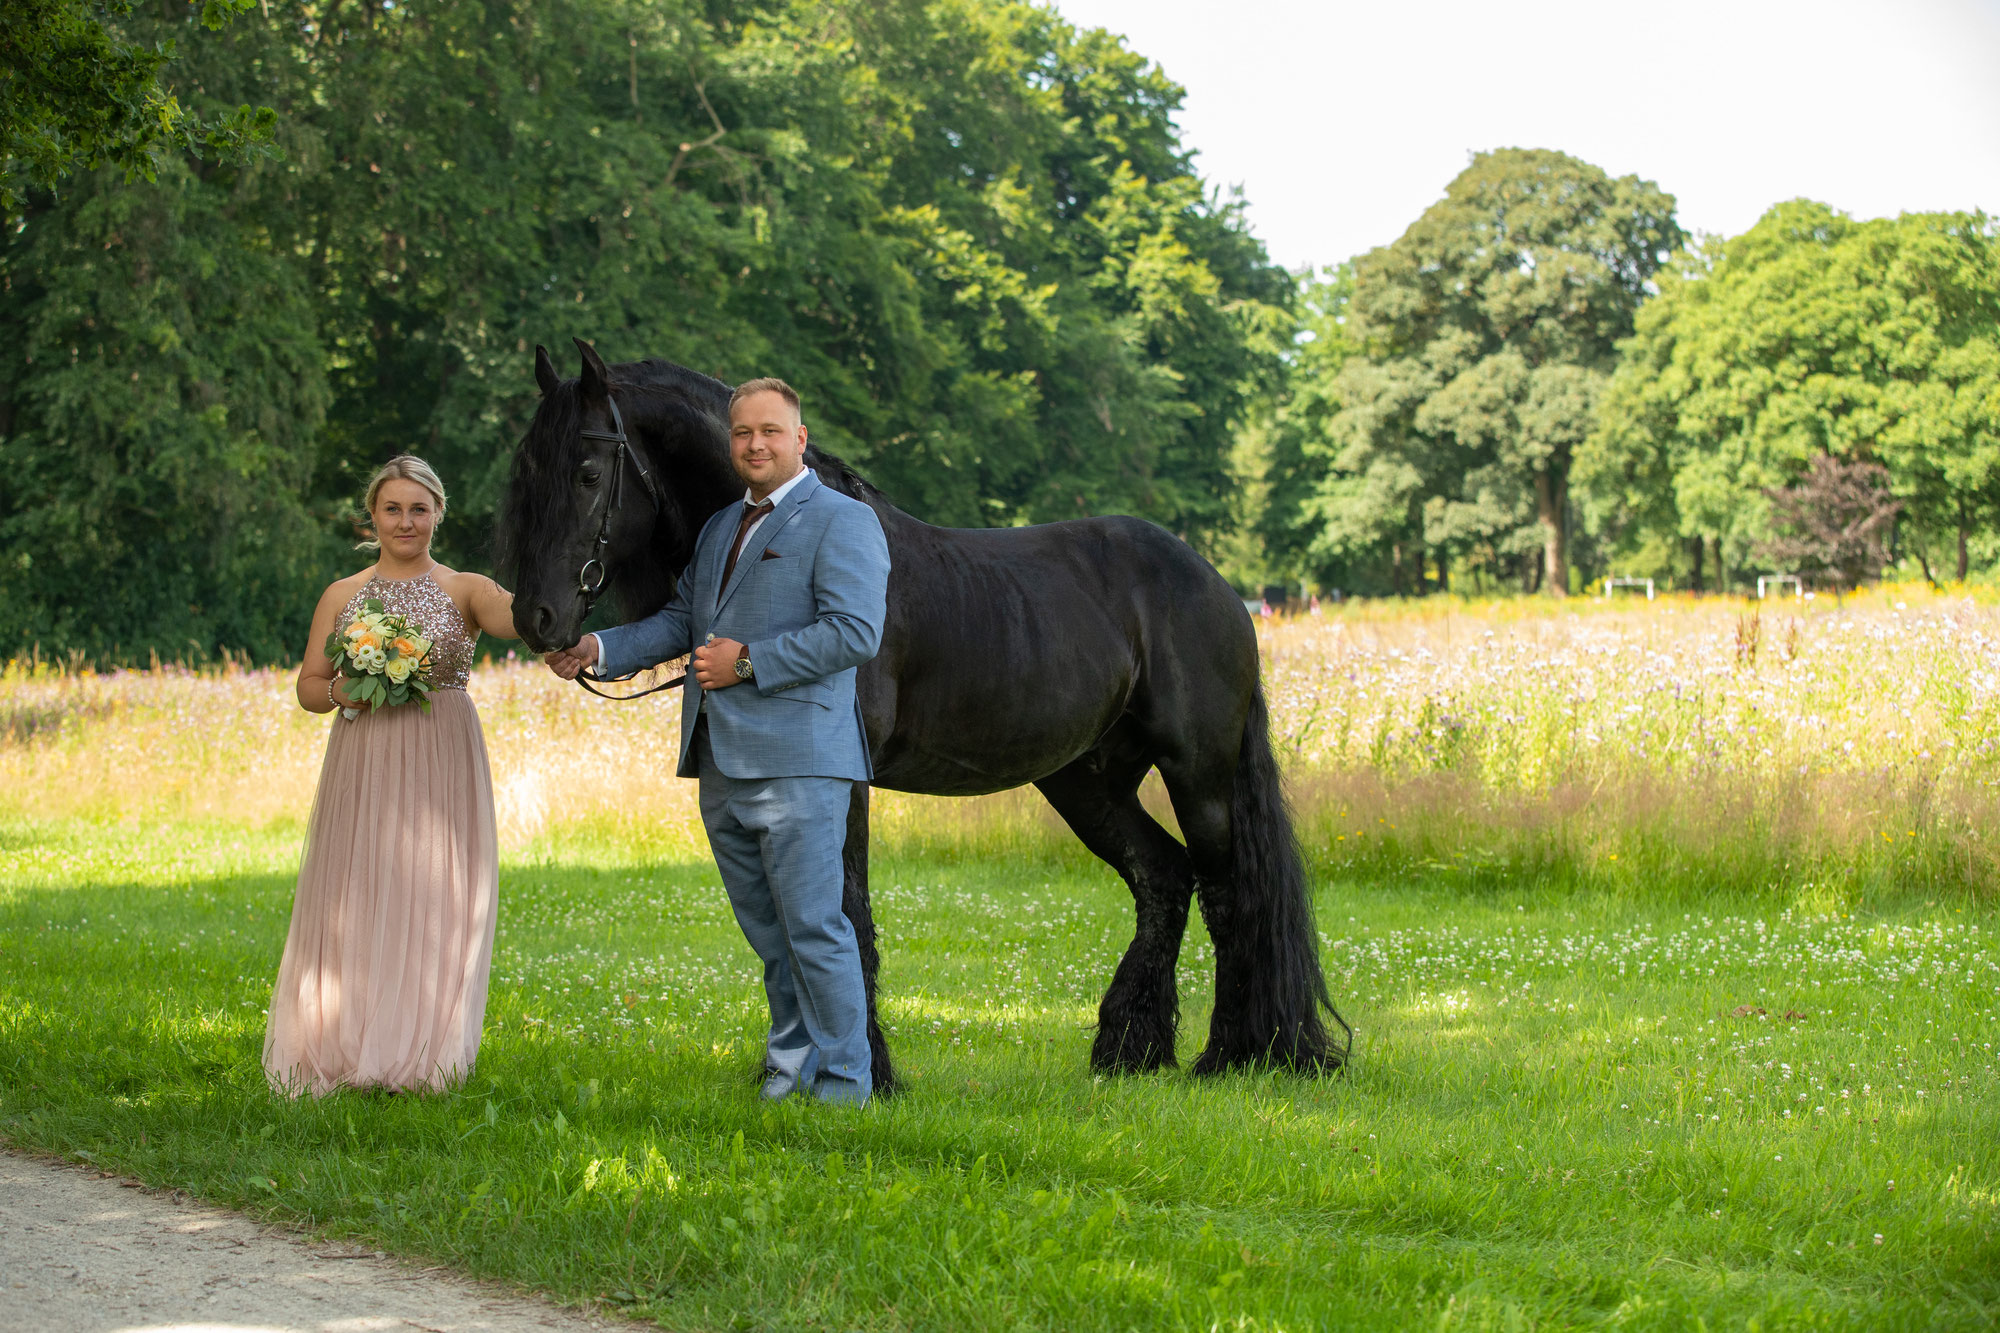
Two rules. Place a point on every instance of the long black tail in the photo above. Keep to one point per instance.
(1269, 985)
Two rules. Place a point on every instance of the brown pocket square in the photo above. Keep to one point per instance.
(770, 554)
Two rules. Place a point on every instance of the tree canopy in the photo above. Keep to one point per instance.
(76, 93)
(1482, 339)
(1810, 334)
(967, 231)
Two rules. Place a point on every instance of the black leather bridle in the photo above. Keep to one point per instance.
(592, 578)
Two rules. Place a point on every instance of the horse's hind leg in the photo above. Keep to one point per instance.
(1138, 1017)
(854, 906)
(1269, 989)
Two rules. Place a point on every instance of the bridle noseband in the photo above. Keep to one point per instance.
(593, 576)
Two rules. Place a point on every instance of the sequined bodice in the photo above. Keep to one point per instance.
(436, 614)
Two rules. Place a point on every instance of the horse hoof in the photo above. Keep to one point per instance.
(1214, 1061)
(1220, 1060)
(1129, 1057)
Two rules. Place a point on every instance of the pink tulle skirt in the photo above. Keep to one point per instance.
(383, 982)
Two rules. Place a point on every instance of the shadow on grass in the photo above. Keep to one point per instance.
(1008, 1188)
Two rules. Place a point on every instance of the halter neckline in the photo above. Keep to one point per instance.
(414, 578)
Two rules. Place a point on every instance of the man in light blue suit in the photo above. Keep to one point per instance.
(783, 600)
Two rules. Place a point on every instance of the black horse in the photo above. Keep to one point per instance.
(1076, 656)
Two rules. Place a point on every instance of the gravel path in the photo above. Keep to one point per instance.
(81, 1252)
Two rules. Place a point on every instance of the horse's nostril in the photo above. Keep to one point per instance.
(545, 624)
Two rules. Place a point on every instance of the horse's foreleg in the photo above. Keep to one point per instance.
(854, 906)
(1139, 1016)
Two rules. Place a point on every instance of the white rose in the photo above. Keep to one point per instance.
(398, 671)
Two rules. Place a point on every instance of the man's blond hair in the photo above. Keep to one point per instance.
(766, 384)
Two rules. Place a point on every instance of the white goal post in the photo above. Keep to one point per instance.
(1769, 581)
(1647, 584)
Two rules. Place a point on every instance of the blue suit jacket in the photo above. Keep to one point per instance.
(807, 598)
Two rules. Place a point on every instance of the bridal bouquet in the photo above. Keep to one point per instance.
(385, 658)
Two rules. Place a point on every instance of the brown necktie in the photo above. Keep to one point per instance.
(751, 513)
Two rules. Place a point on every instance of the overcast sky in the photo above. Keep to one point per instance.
(1342, 121)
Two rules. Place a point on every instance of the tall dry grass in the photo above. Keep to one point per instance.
(1802, 742)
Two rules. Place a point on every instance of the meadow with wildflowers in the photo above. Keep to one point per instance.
(1668, 932)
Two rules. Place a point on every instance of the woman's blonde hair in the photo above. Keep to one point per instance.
(403, 467)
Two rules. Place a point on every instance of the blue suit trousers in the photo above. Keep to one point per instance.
(778, 843)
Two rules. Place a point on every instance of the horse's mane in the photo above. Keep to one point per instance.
(671, 389)
(653, 390)
(835, 472)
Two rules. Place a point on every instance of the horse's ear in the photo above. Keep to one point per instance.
(545, 371)
(596, 379)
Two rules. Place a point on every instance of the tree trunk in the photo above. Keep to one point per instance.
(1551, 491)
(1531, 572)
(1964, 563)
(1696, 548)
(1721, 569)
(1444, 572)
(1396, 568)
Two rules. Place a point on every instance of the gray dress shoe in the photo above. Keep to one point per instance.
(778, 1085)
(840, 1091)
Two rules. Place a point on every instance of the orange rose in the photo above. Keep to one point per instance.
(405, 646)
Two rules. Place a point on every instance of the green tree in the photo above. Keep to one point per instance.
(1487, 332)
(75, 93)
(1809, 334)
(165, 384)
(1295, 433)
(965, 229)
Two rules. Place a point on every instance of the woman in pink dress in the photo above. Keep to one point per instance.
(383, 982)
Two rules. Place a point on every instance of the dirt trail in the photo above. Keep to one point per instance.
(85, 1253)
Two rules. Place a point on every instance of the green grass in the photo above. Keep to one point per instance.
(1557, 1117)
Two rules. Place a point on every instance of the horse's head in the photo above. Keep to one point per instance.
(610, 484)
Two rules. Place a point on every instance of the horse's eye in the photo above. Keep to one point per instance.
(586, 476)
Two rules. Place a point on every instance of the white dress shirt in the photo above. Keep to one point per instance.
(784, 488)
(775, 497)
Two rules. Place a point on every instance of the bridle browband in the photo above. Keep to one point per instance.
(593, 586)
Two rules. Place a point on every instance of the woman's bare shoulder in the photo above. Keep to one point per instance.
(461, 583)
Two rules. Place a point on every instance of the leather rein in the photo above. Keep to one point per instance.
(592, 577)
